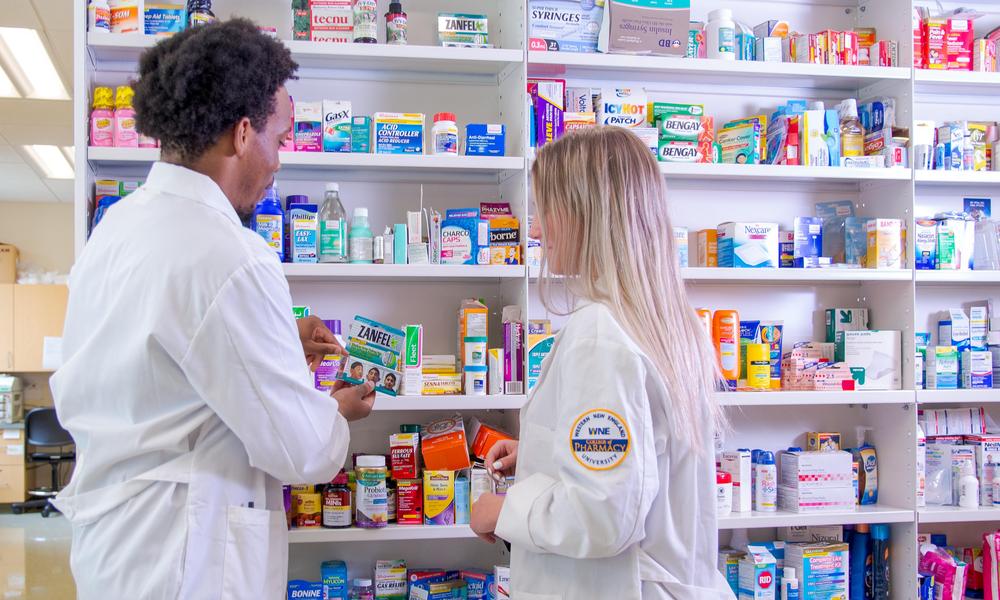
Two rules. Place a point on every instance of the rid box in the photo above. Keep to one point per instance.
(758, 575)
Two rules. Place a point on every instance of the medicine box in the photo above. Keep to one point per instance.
(308, 126)
(977, 370)
(443, 445)
(808, 238)
(817, 441)
(941, 368)
(748, 245)
(622, 107)
(681, 245)
(961, 456)
(398, 133)
(741, 144)
(481, 584)
(483, 139)
(549, 99)
(323, 21)
(822, 569)
(987, 450)
(729, 566)
(334, 579)
(845, 319)
(884, 244)
(978, 327)
(564, 25)
(737, 464)
(816, 469)
(925, 244)
(361, 135)
(390, 580)
(811, 534)
(501, 575)
(337, 124)
(786, 249)
(956, 330)
(708, 248)
(874, 357)
(459, 29)
(758, 574)
(813, 500)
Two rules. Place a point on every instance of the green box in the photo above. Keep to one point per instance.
(300, 312)
(361, 135)
(845, 319)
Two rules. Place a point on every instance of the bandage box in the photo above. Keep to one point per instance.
(361, 135)
(708, 248)
(622, 107)
(977, 370)
(884, 244)
(390, 579)
(845, 319)
(874, 357)
(758, 575)
(748, 245)
(737, 464)
(444, 446)
(822, 569)
(484, 139)
(308, 126)
(564, 25)
(822, 469)
(398, 133)
(337, 125)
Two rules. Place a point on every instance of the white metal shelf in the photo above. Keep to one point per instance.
(958, 396)
(811, 276)
(957, 277)
(120, 52)
(782, 518)
(709, 71)
(956, 83)
(321, 272)
(365, 167)
(778, 173)
(924, 177)
(780, 398)
(396, 403)
(392, 533)
(957, 514)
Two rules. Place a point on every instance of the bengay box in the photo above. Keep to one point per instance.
(748, 245)
(564, 25)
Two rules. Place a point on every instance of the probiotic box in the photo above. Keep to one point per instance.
(336, 126)
(758, 576)
(748, 245)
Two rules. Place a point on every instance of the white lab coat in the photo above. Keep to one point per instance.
(185, 388)
(645, 528)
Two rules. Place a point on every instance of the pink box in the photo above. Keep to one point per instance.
(848, 47)
(984, 56)
(959, 43)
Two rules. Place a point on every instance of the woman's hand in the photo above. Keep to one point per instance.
(485, 513)
(317, 340)
(501, 460)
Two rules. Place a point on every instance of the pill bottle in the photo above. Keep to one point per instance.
(723, 493)
(337, 503)
(391, 498)
(475, 381)
(444, 134)
(475, 352)
(200, 13)
(373, 500)
(362, 589)
(721, 34)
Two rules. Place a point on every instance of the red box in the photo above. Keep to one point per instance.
(935, 37)
(918, 40)
(959, 42)
(793, 145)
(409, 502)
(849, 47)
(885, 54)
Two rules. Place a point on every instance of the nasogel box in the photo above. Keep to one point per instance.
(622, 107)
(398, 133)
(748, 245)
(758, 576)
(564, 25)
(337, 126)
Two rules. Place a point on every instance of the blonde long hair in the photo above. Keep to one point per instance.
(602, 187)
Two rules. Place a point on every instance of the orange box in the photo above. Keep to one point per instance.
(443, 445)
(483, 437)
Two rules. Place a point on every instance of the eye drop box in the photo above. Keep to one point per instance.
(737, 464)
(977, 370)
(336, 126)
(748, 245)
(941, 368)
(978, 327)
(956, 330)
(874, 357)
(758, 576)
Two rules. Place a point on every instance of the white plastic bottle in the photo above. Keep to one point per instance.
(789, 585)
(332, 227)
(996, 490)
(766, 484)
(444, 134)
(968, 487)
(921, 468)
(721, 34)
(361, 238)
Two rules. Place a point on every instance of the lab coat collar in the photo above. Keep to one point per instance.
(181, 181)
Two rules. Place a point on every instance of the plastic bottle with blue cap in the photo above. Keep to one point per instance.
(766, 483)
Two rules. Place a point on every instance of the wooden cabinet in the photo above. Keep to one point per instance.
(6, 327)
(39, 312)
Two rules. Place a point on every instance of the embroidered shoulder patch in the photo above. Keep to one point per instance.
(600, 439)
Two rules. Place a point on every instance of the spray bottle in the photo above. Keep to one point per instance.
(877, 573)
(867, 468)
(766, 483)
(726, 337)
(789, 585)
(858, 552)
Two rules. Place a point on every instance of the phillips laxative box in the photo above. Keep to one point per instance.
(323, 20)
(758, 576)
(822, 569)
(398, 133)
(548, 96)
(737, 464)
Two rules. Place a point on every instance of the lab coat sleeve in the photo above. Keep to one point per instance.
(588, 513)
(246, 361)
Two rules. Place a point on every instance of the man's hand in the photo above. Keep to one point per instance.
(356, 401)
(317, 340)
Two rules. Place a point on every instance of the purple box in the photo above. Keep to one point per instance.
(513, 357)
(549, 99)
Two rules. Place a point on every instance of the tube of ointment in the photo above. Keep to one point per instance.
(495, 384)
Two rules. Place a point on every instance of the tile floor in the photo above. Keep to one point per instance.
(34, 557)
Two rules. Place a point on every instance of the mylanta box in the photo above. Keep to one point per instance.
(874, 357)
(399, 133)
(748, 245)
(758, 575)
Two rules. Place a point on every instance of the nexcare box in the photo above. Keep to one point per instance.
(748, 245)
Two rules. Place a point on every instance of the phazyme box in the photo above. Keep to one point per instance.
(748, 245)
(564, 25)
(977, 370)
(399, 133)
(485, 139)
(336, 126)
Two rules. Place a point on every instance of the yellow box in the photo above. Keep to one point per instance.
(885, 242)
(822, 441)
(708, 248)
(439, 497)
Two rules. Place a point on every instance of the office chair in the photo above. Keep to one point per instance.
(42, 430)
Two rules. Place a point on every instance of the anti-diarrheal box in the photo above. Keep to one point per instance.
(398, 133)
(748, 245)
(336, 126)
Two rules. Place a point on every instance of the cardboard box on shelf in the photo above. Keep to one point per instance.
(8, 263)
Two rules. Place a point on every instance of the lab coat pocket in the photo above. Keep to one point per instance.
(249, 570)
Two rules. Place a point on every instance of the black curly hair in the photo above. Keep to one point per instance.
(195, 85)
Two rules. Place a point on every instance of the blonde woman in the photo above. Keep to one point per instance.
(615, 488)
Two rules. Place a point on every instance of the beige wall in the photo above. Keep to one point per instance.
(42, 231)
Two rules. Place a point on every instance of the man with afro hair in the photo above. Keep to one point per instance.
(186, 382)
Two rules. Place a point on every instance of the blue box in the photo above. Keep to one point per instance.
(461, 213)
(485, 140)
(808, 240)
(303, 590)
(361, 135)
(564, 25)
(163, 19)
(479, 583)
(399, 133)
(335, 581)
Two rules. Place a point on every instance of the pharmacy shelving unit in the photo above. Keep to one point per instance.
(487, 85)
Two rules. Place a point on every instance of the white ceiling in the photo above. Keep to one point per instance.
(24, 122)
